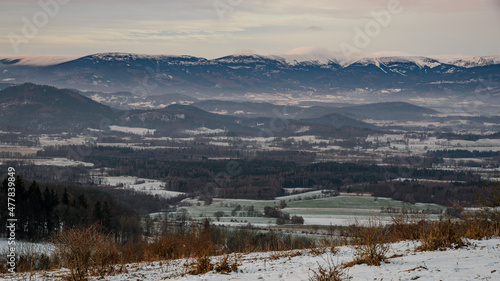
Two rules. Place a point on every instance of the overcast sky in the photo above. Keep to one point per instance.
(197, 27)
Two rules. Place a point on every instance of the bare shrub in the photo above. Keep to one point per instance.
(484, 223)
(489, 195)
(369, 243)
(317, 251)
(489, 216)
(440, 235)
(202, 265)
(85, 250)
(331, 243)
(329, 272)
(406, 225)
(227, 264)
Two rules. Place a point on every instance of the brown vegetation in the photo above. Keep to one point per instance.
(370, 243)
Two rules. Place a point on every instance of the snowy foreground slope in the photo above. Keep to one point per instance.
(478, 261)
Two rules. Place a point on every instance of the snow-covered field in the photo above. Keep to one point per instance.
(26, 247)
(132, 130)
(61, 162)
(149, 186)
(480, 260)
(50, 140)
(203, 131)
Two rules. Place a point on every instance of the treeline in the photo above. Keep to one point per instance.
(80, 177)
(266, 179)
(255, 178)
(42, 210)
(19, 139)
(194, 150)
(414, 191)
(460, 153)
(467, 137)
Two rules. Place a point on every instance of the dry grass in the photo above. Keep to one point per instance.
(441, 235)
(406, 225)
(329, 272)
(482, 224)
(202, 265)
(317, 251)
(370, 243)
(227, 264)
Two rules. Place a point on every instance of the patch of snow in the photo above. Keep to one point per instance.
(148, 186)
(203, 131)
(303, 129)
(61, 162)
(132, 130)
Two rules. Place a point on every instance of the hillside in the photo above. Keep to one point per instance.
(480, 260)
(388, 111)
(46, 108)
(180, 118)
(376, 111)
(336, 120)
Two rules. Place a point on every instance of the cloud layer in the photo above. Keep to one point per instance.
(213, 28)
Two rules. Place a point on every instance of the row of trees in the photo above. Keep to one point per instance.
(42, 211)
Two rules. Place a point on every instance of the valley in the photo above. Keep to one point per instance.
(261, 151)
(296, 167)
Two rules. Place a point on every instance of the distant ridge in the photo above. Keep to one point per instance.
(312, 56)
(45, 108)
(241, 74)
(377, 111)
(388, 111)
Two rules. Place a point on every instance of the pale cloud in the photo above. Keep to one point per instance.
(180, 26)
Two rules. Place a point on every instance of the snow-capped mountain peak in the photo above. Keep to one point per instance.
(421, 62)
(468, 62)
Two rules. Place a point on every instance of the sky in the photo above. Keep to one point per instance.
(215, 28)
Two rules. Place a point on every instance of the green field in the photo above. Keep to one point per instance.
(307, 204)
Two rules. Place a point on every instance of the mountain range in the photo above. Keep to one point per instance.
(238, 75)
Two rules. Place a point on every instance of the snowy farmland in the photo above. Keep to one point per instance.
(313, 206)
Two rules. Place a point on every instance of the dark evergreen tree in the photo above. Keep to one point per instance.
(34, 214)
(106, 215)
(97, 214)
(65, 197)
(83, 201)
